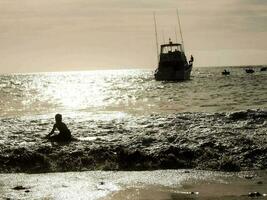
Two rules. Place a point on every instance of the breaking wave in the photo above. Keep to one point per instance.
(219, 141)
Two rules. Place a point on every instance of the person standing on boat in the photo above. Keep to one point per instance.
(191, 59)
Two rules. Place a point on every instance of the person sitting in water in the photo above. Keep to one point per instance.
(64, 132)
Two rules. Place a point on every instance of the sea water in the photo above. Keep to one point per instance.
(130, 92)
(124, 119)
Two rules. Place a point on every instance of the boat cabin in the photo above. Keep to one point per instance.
(172, 54)
(170, 48)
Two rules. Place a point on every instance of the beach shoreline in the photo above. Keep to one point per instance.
(121, 185)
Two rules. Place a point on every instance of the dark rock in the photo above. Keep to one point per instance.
(195, 193)
(242, 115)
(254, 194)
(19, 187)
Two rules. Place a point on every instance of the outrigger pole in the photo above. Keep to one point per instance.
(156, 34)
(176, 35)
(179, 23)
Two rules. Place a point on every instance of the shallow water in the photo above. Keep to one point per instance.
(220, 141)
(123, 119)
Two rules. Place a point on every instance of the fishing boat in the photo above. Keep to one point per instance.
(173, 65)
(250, 71)
(172, 62)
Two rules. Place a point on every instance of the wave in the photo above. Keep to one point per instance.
(215, 141)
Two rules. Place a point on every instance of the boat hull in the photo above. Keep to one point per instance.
(171, 74)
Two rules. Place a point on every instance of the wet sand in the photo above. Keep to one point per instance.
(142, 185)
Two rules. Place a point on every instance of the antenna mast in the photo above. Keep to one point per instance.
(163, 36)
(176, 35)
(156, 34)
(179, 23)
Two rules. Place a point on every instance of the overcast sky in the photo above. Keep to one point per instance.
(43, 35)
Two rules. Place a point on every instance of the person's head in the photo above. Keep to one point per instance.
(58, 118)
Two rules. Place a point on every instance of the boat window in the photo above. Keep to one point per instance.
(168, 49)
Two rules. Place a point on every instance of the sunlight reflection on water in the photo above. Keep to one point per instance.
(129, 91)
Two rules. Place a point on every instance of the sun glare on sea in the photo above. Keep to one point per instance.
(72, 90)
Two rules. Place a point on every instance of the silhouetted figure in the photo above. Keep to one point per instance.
(191, 59)
(64, 132)
(225, 72)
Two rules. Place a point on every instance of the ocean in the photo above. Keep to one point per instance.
(133, 92)
(125, 120)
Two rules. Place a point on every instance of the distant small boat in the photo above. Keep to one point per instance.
(250, 71)
(225, 72)
(263, 69)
